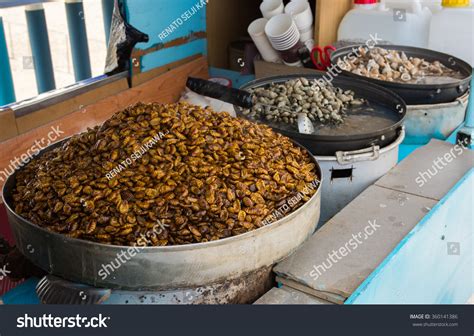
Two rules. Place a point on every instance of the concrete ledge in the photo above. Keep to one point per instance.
(339, 257)
(287, 295)
(430, 171)
(352, 244)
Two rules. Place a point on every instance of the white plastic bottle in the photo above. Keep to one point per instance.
(433, 5)
(402, 22)
(452, 30)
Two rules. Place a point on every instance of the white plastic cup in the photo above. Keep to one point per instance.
(301, 13)
(309, 44)
(279, 26)
(282, 32)
(288, 44)
(307, 34)
(256, 31)
(271, 8)
(298, 1)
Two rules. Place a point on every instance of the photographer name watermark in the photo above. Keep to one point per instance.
(289, 204)
(135, 156)
(173, 26)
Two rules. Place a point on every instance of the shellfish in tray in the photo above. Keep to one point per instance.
(397, 66)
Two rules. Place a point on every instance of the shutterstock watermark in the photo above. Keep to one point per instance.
(135, 156)
(350, 246)
(126, 255)
(182, 19)
(49, 321)
(4, 272)
(39, 145)
(441, 162)
(336, 69)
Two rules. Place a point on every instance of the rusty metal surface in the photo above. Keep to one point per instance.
(243, 290)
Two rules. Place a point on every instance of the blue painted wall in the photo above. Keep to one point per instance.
(434, 263)
(154, 16)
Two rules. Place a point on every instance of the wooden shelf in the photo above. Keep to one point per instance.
(228, 20)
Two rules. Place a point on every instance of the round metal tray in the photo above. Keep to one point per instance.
(161, 268)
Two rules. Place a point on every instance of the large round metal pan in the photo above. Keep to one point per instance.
(415, 94)
(161, 268)
(378, 124)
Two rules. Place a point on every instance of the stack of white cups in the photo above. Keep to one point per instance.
(256, 31)
(271, 8)
(301, 12)
(284, 36)
(282, 31)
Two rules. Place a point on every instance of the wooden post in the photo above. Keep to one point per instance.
(329, 14)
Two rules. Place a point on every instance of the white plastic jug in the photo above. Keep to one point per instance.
(452, 30)
(402, 22)
(433, 5)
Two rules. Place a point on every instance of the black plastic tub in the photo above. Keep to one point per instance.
(416, 94)
(377, 124)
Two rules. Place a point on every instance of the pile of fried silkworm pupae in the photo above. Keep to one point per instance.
(209, 176)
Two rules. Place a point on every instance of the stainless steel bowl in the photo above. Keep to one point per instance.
(161, 268)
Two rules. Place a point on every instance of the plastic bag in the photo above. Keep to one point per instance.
(123, 38)
(203, 101)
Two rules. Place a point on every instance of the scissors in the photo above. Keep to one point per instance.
(322, 61)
